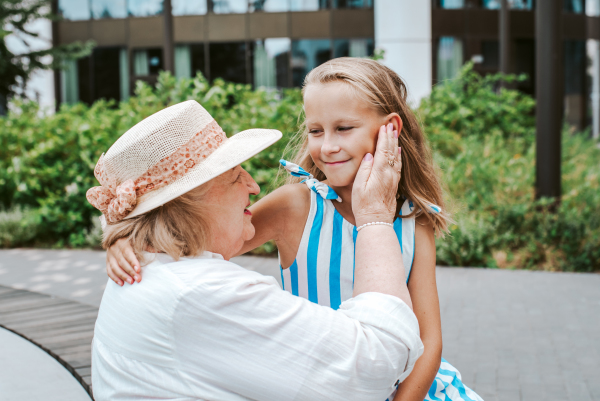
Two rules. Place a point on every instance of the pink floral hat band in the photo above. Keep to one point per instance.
(117, 200)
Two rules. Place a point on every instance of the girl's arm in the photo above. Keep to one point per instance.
(423, 292)
(279, 216)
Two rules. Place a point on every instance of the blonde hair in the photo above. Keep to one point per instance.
(384, 90)
(177, 228)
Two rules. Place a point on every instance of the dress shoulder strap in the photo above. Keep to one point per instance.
(311, 182)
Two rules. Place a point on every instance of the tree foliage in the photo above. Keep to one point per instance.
(15, 69)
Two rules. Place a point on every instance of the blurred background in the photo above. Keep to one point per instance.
(507, 92)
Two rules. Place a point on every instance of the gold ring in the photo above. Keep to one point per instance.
(391, 162)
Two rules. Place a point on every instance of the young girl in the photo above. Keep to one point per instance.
(346, 102)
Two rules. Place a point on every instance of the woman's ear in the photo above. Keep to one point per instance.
(395, 119)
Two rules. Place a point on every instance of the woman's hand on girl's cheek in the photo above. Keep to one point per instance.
(121, 264)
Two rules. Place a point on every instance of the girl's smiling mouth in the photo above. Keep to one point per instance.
(336, 163)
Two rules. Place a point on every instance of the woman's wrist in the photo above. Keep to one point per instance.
(375, 223)
(362, 220)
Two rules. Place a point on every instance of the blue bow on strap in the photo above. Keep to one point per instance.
(317, 186)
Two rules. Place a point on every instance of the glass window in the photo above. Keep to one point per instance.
(69, 83)
(228, 61)
(452, 3)
(449, 58)
(269, 5)
(353, 48)
(308, 5)
(592, 8)
(147, 62)
(198, 59)
(574, 6)
(352, 3)
(109, 9)
(490, 50)
(230, 6)
(74, 9)
(183, 62)
(144, 8)
(189, 7)
(124, 74)
(271, 62)
(306, 55)
(106, 68)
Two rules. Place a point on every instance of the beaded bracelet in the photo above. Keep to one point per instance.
(375, 223)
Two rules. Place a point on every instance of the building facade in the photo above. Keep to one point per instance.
(271, 43)
(427, 42)
(275, 43)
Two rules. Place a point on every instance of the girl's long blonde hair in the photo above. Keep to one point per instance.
(386, 92)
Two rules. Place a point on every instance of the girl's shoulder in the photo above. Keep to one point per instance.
(287, 201)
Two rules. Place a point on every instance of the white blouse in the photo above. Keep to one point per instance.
(207, 329)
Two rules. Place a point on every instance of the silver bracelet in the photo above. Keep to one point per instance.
(375, 223)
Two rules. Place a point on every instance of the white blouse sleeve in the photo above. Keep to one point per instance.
(238, 330)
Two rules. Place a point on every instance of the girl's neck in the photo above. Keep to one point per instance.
(345, 207)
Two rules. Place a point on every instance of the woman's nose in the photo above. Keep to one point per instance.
(253, 187)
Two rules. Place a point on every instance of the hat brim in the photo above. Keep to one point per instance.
(235, 150)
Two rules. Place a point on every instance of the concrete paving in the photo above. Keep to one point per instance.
(27, 373)
(514, 335)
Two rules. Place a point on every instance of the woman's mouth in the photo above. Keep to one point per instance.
(248, 212)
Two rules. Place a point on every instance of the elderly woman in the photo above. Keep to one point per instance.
(201, 327)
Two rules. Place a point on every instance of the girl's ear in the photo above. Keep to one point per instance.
(395, 119)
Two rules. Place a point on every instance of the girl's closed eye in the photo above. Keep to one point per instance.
(315, 131)
(344, 128)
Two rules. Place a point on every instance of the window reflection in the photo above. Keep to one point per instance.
(230, 6)
(228, 61)
(574, 6)
(512, 4)
(271, 63)
(449, 58)
(452, 3)
(109, 9)
(353, 48)
(352, 3)
(74, 9)
(144, 8)
(592, 8)
(147, 62)
(306, 55)
(308, 5)
(269, 5)
(189, 7)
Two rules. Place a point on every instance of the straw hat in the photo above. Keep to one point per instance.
(166, 155)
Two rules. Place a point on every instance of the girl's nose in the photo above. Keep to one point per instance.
(329, 145)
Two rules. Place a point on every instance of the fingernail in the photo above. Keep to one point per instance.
(390, 126)
(399, 150)
(136, 278)
(120, 283)
(130, 281)
(396, 133)
(368, 157)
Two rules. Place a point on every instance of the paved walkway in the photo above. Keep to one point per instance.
(29, 374)
(514, 335)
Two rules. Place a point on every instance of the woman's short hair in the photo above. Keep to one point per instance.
(178, 228)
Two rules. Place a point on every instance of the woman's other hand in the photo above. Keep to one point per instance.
(376, 183)
(121, 263)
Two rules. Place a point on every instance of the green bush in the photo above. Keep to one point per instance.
(483, 142)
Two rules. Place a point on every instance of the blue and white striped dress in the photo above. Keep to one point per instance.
(323, 271)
